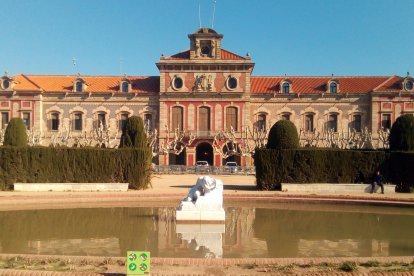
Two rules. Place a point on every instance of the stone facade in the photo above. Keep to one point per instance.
(205, 90)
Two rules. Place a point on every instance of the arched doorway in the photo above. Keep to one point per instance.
(204, 152)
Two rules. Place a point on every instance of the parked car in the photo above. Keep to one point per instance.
(202, 166)
(231, 167)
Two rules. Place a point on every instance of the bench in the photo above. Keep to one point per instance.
(63, 187)
(335, 188)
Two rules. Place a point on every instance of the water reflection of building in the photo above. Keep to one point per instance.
(249, 232)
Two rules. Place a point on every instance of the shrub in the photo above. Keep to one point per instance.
(402, 133)
(47, 164)
(133, 133)
(15, 133)
(283, 135)
(306, 165)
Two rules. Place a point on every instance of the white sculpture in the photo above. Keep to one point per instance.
(204, 201)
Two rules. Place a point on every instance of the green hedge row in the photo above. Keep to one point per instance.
(274, 167)
(46, 164)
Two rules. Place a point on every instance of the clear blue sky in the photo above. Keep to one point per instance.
(293, 37)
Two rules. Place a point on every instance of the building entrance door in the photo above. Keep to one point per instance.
(204, 152)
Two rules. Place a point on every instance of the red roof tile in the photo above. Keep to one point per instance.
(94, 84)
(226, 55)
(319, 84)
(391, 84)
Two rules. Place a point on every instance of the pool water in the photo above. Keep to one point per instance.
(264, 230)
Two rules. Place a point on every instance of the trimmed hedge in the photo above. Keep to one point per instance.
(274, 167)
(47, 164)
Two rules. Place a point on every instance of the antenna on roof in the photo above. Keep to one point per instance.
(74, 64)
(199, 13)
(214, 12)
(121, 62)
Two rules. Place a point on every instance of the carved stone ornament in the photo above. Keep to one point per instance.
(203, 83)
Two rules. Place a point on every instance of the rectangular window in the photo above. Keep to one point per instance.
(386, 121)
(4, 119)
(148, 121)
(333, 122)
(357, 126)
(26, 119)
(231, 118)
(261, 122)
(77, 122)
(122, 122)
(204, 119)
(286, 117)
(177, 118)
(101, 120)
(309, 123)
(55, 121)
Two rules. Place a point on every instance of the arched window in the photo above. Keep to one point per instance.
(333, 87)
(309, 123)
(125, 87)
(54, 121)
(333, 122)
(177, 118)
(286, 88)
(79, 86)
(231, 118)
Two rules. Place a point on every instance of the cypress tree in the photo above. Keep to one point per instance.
(283, 135)
(402, 133)
(15, 133)
(134, 136)
(133, 133)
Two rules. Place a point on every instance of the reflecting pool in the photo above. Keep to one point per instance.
(263, 230)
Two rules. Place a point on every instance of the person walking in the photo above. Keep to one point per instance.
(378, 180)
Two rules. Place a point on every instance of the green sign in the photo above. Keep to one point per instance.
(138, 262)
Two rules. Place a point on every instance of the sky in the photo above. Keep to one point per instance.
(292, 37)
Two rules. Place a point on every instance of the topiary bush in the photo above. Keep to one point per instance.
(283, 135)
(402, 133)
(15, 134)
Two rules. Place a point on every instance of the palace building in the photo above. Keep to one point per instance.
(203, 91)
